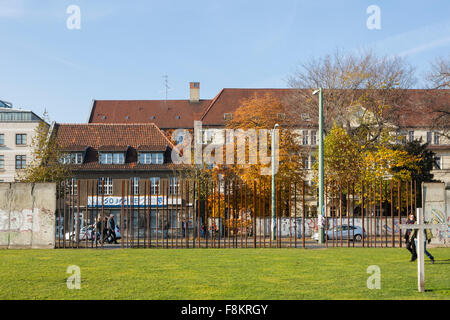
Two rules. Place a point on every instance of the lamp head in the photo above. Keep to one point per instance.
(316, 92)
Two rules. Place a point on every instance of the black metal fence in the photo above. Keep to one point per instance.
(186, 213)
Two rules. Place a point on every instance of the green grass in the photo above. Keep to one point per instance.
(220, 274)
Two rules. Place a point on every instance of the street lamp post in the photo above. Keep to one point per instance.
(273, 233)
(320, 211)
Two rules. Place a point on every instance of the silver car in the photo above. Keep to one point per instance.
(338, 232)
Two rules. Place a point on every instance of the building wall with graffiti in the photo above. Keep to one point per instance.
(292, 227)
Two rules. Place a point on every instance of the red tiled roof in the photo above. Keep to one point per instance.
(417, 110)
(228, 100)
(165, 114)
(127, 138)
(421, 108)
(114, 135)
(113, 148)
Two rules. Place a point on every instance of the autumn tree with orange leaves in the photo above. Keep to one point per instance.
(263, 113)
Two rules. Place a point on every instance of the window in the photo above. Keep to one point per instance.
(313, 138)
(2, 162)
(429, 137)
(65, 159)
(15, 116)
(72, 184)
(436, 138)
(437, 163)
(2, 139)
(305, 137)
(73, 157)
(151, 158)
(145, 158)
(106, 158)
(305, 117)
(313, 160)
(76, 157)
(21, 139)
(281, 116)
(208, 136)
(118, 158)
(154, 185)
(157, 158)
(180, 138)
(306, 163)
(174, 185)
(135, 184)
(401, 136)
(107, 185)
(21, 162)
(227, 116)
(411, 136)
(177, 117)
(112, 158)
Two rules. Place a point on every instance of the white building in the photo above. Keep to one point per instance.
(17, 129)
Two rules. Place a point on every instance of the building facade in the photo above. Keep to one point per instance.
(414, 122)
(17, 130)
(112, 164)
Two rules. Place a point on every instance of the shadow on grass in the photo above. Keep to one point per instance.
(444, 261)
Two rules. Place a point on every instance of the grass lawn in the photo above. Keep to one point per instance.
(220, 274)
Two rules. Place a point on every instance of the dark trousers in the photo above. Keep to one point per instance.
(411, 246)
(113, 234)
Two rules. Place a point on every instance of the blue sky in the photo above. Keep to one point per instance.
(125, 47)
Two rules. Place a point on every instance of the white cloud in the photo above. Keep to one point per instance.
(425, 47)
(415, 41)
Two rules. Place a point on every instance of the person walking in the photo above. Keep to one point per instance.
(112, 228)
(203, 231)
(410, 244)
(105, 228)
(183, 228)
(428, 236)
(166, 230)
(98, 229)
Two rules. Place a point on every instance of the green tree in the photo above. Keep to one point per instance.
(345, 160)
(45, 165)
(422, 172)
(342, 157)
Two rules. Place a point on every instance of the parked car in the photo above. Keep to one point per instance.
(356, 233)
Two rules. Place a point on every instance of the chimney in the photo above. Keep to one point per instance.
(194, 92)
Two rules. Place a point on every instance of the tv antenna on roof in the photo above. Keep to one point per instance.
(166, 85)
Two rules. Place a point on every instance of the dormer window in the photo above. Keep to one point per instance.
(151, 158)
(228, 116)
(305, 117)
(436, 138)
(112, 158)
(72, 158)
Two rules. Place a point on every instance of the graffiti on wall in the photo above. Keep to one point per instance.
(294, 226)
